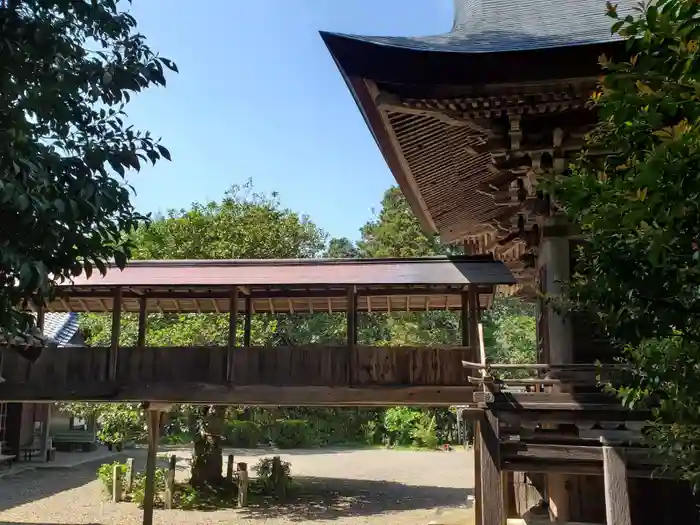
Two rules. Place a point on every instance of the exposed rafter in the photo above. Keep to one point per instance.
(452, 116)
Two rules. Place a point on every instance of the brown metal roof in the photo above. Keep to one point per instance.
(458, 271)
(287, 286)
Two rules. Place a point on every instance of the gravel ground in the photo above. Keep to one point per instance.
(348, 487)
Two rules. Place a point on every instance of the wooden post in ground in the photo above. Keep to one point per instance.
(116, 329)
(129, 476)
(242, 469)
(154, 413)
(143, 322)
(352, 334)
(229, 469)
(170, 482)
(491, 484)
(617, 499)
(117, 487)
(279, 478)
(470, 336)
(248, 321)
(232, 327)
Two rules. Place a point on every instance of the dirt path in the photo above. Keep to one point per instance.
(345, 487)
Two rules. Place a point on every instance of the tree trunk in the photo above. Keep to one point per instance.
(207, 454)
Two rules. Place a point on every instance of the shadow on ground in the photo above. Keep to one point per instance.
(331, 498)
(45, 483)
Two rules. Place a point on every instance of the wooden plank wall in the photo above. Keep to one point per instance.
(275, 366)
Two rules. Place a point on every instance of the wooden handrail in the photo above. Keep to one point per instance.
(542, 366)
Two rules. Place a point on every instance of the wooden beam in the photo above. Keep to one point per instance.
(578, 469)
(143, 322)
(222, 394)
(516, 401)
(391, 102)
(116, 331)
(570, 416)
(637, 456)
(232, 320)
(337, 292)
(248, 321)
(153, 422)
(617, 499)
(492, 506)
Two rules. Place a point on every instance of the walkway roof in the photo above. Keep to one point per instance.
(294, 286)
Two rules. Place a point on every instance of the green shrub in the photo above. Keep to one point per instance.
(138, 491)
(424, 434)
(105, 473)
(372, 432)
(243, 433)
(400, 424)
(292, 433)
(177, 438)
(269, 482)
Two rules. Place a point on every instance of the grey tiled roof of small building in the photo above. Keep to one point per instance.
(59, 328)
(491, 26)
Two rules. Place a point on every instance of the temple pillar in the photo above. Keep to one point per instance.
(556, 346)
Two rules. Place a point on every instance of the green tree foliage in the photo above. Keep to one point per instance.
(396, 232)
(341, 248)
(639, 209)
(68, 71)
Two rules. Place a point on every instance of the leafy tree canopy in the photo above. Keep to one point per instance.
(639, 209)
(68, 71)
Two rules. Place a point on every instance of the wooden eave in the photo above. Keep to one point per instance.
(287, 286)
(440, 120)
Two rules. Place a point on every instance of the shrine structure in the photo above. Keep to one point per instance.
(468, 121)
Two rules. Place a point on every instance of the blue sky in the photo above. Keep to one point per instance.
(258, 96)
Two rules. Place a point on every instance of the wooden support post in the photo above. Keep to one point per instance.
(153, 422)
(143, 322)
(617, 499)
(279, 478)
(492, 501)
(352, 334)
(478, 504)
(40, 317)
(242, 469)
(45, 439)
(117, 490)
(170, 482)
(554, 257)
(232, 327)
(248, 321)
(229, 469)
(129, 476)
(473, 299)
(465, 321)
(116, 328)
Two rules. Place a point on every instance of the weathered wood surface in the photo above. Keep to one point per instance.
(617, 499)
(261, 375)
(492, 500)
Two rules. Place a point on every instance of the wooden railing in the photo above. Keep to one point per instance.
(82, 372)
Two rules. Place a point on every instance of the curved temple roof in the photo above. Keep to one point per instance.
(492, 26)
(440, 106)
